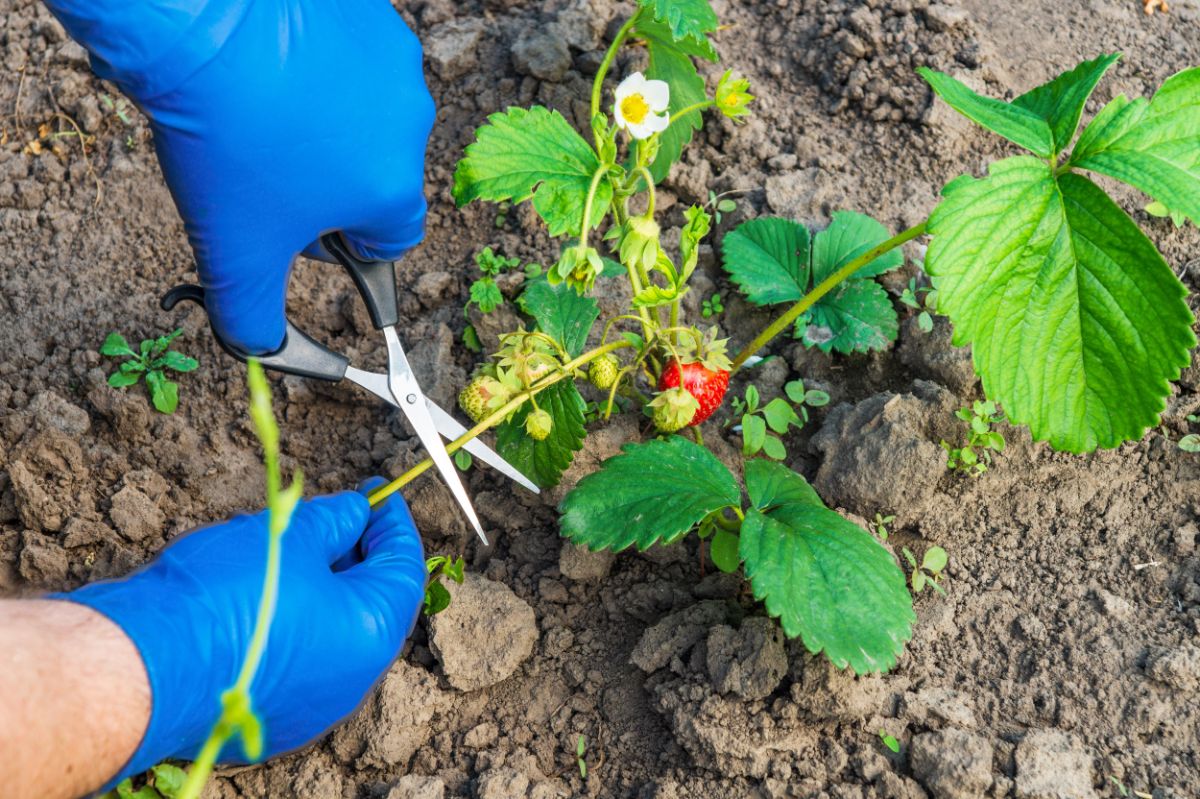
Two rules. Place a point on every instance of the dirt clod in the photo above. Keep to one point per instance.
(578, 563)
(541, 54)
(1178, 668)
(748, 661)
(952, 763)
(135, 515)
(485, 634)
(394, 723)
(677, 633)
(453, 48)
(413, 786)
(1052, 764)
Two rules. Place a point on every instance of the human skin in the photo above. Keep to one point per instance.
(76, 699)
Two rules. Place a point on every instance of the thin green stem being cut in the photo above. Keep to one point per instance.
(827, 285)
(237, 714)
(681, 113)
(568, 369)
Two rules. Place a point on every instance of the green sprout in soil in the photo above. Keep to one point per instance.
(580, 751)
(890, 742)
(152, 360)
(929, 571)
(974, 457)
(762, 426)
(437, 596)
(1161, 211)
(880, 525)
(1191, 442)
(164, 781)
(721, 204)
(712, 306)
(924, 300)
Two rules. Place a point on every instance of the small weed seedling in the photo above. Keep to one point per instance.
(924, 300)
(463, 460)
(721, 204)
(1191, 442)
(762, 427)
(580, 751)
(437, 598)
(890, 742)
(152, 361)
(1162, 212)
(975, 456)
(712, 306)
(880, 524)
(484, 291)
(929, 572)
(163, 781)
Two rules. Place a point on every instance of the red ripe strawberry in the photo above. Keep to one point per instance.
(708, 386)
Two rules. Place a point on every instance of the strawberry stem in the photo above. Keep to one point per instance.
(827, 285)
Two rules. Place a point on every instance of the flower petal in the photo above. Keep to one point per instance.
(633, 83)
(656, 123)
(657, 94)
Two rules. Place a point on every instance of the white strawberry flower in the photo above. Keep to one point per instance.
(641, 106)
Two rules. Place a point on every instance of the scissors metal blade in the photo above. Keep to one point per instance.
(447, 425)
(411, 400)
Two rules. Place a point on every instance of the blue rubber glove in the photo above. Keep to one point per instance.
(351, 582)
(275, 122)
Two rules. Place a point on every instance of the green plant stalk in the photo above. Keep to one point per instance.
(236, 702)
(586, 230)
(681, 113)
(785, 320)
(382, 493)
(598, 83)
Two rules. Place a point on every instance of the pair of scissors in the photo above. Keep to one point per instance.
(302, 355)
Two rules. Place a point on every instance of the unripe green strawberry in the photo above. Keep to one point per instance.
(603, 372)
(476, 399)
(674, 409)
(538, 424)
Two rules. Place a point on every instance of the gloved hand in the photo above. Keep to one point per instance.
(351, 582)
(274, 122)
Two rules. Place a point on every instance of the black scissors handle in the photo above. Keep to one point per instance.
(375, 280)
(300, 354)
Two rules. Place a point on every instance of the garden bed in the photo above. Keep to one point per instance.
(1064, 659)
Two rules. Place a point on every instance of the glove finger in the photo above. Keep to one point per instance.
(246, 294)
(391, 577)
(331, 525)
(354, 556)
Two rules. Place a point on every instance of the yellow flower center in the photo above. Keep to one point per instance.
(634, 108)
(731, 100)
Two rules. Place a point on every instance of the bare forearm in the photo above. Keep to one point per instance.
(74, 699)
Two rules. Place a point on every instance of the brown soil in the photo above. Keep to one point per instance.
(1065, 655)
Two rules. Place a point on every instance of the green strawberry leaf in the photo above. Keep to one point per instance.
(437, 598)
(1152, 145)
(1018, 125)
(779, 415)
(826, 579)
(1076, 322)
(768, 259)
(848, 236)
(544, 461)
(115, 345)
(671, 61)
(561, 313)
(164, 393)
(650, 493)
(533, 153)
(1060, 102)
(724, 551)
(684, 20)
(857, 316)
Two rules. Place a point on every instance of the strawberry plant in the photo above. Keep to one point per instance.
(439, 567)
(1076, 322)
(152, 360)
